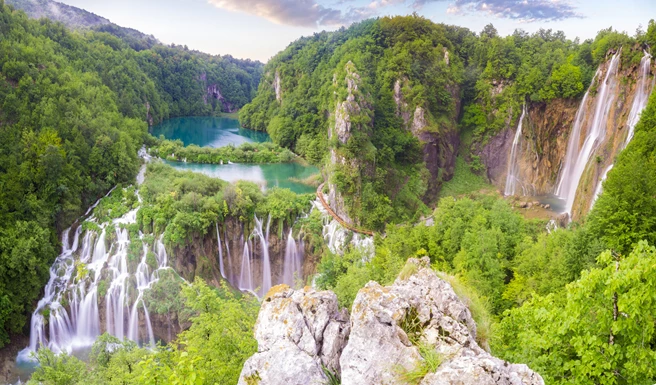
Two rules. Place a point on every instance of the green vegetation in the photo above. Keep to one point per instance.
(381, 151)
(464, 181)
(405, 65)
(184, 205)
(74, 108)
(598, 329)
(430, 361)
(211, 351)
(245, 153)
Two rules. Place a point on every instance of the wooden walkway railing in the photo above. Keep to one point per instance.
(337, 218)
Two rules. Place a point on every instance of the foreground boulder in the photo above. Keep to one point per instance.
(301, 332)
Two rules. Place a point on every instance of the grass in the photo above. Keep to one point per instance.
(333, 378)
(412, 326)
(408, 270)
(477, 306)
(464, 181)
(431, 360)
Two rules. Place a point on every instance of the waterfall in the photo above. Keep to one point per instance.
(513, 162)
(577, 158)
(72, 299)
(266, 262)
(293, 262)
(218, 242)
(600, 186)
(246, 277)
(641, 96)
(640, 100)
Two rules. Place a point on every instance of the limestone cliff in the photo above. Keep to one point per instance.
(543, 146)
(301, 332)
(548, 127)
(353, 113)
(439, 140)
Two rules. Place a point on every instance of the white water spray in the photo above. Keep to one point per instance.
(512, 178)
(577, 157)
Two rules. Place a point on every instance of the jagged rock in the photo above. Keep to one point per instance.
(401, 104)
(297, 332)
(277, 86)
(348, 107)
(378, 348)
(418, 121)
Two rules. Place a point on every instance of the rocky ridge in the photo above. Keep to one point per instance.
(303, 337)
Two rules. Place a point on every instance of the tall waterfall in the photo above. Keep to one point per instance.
(577, 156)
(513, 164)
(641, 96)
(68, 317)
(643, 90)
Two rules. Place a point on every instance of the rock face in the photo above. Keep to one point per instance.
(439, 143)
(353, 107)
(277, 86)
(299, 331)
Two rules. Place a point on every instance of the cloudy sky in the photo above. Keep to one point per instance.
(258, 29)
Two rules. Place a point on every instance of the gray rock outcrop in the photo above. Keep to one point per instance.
(298, 332)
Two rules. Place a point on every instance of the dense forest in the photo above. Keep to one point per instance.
(74, 110)
(574, 303)
(464, 81)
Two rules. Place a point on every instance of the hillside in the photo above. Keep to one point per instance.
(382, 104)
(72, 17)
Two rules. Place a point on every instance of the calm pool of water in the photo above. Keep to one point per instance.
(266, 175)
(207, 131)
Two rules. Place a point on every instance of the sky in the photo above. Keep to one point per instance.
(258, 29)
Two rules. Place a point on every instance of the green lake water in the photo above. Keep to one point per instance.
(218, 132)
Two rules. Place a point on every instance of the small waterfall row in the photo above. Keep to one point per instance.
(512, 178)
(69, 317)
(254, 272)
(578, 155)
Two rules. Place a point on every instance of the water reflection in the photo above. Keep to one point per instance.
(207, 131)
(266, 175)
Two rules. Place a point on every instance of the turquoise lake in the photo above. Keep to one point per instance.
(207, 131)
(218, 132)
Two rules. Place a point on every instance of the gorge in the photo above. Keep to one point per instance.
(369, 206)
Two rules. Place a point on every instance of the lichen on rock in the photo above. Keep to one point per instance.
(300, 332)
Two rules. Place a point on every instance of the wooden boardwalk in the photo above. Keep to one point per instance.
(337, 218)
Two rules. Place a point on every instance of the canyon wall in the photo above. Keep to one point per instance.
(548, 127)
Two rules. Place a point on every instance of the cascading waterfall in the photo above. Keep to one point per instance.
(513, 164)
(218, 241)
(293, 263)
(600, 186)
(577, 157)
(71, 300)
(266, 261)
(246, 277)
(641, 97)
(337, 237)
(643, 91)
